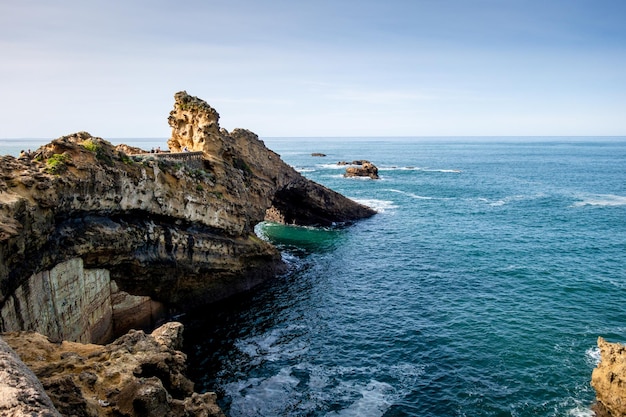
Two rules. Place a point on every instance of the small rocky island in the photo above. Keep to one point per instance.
(96, 240)
(360, 168)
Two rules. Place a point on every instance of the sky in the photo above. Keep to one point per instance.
(315, 68)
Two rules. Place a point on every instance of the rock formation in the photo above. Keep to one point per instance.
(94, 241)
(137, 375)
(361, 169)
(609, 380)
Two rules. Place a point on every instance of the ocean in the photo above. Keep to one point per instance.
(479, 288)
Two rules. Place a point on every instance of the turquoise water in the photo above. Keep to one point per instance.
(479, 289)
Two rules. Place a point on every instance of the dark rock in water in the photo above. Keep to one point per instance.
(318, 154)
(362, 169)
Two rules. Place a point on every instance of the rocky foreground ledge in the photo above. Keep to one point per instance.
(138, 374)
(96, 239)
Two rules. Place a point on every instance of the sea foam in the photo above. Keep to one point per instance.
(603, 200)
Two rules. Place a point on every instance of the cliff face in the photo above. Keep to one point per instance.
(90, 235)
(609, 380)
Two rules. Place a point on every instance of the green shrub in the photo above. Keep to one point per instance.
(57, 163)
(91, 146)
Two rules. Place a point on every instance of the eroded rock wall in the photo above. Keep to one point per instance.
(65, 303)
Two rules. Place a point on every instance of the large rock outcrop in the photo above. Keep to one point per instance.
(138, 374)
(609, 380)
(270, 182)
(93, 241)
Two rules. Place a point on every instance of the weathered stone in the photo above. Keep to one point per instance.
(609, 379)
(170, 335)
(21, 393)
(137, 375)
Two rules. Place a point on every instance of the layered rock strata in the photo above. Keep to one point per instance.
(138, 374)
(609, 380)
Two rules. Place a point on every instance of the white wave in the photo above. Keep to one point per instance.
(333, 166)
(592, 355)
(271, 346)
(374, 402)
(381, 206)
(454, 171)
(305, 169)
(603, 200)
(263, 397)
(412, 195)
(581, 411)
(396, 168)
(511, 199)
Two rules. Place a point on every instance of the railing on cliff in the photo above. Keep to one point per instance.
(192, 159)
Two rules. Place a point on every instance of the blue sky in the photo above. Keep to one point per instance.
(319, 68)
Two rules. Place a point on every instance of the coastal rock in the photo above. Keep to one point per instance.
(94, 241)
(137, 375)
(609, 380)
(362, 168)
(268, 182)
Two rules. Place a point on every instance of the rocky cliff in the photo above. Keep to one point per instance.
(97, 239)
(94, 241)
(609, 380)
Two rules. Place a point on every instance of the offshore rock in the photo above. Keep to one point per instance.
(609, 380)
(362, 169)
(137, 375)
